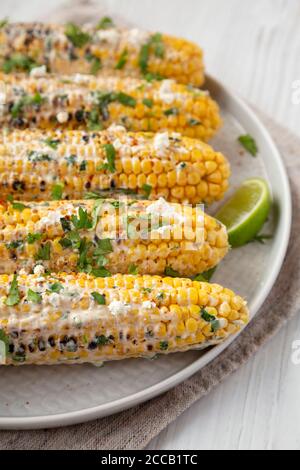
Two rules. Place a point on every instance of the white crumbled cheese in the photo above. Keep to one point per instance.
(165, 209)
(3, 98)
(39, 270)
(136, 37)
(116, 307)
(116, 128)
(52, 218)
(166, 93)
(22, 272)
(62, 117)
(176, 135)
(117, 144)
(148, 305)
(112, 36)
(161, 143)
(54, 299)
(37, 72)
(81, 79)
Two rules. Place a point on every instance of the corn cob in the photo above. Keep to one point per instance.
(84, 101)
(110, 236)
(34, 162)
(69, 49)
(76, 318)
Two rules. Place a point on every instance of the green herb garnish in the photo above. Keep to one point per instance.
(34, 297)
(164, 345)
(171, 112)
(33, 237)
(83, 221)
(122, 60)
(147, 188)
(147, 102)
(215, 324)
(14, 245)
(99, 298)
(83, 165)
(56, 288)
(43, 253)
(105, 23)
(18, 107)
(110, 157)
(249, 144)
(170, 272)
(194, 122)
(57, 192)
(13, 297)
(75, 34)
(205, 277)
(52, 143)
(18, 62)
(133, 269)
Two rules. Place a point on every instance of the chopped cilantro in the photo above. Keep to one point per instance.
(18, 62)
(249, 144)
(170, 272)
(105, 23)
(33, 237)
(194, 122)
(57, 287)
(110, 157)
(99, 298)
(171, 112)
(66, 224)
(147, 102)
(133, 269)
(44, 252)
(57, 192)
(14, 245)
(34, 297)
(13, 297)
(52, 143)
(26, 100)
(83, 165)
(83, 221)
(164, 345)
(75, 34)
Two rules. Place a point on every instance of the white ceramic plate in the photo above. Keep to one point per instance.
(39, 397)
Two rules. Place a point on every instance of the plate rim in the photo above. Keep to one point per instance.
(106, 409)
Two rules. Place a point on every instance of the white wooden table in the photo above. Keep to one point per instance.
(253, 46)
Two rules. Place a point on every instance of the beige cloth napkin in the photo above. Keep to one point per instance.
(134, 428)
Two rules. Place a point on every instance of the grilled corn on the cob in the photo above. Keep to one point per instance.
(33, 163)
(76, 318)
(110, 236)
(71, 49)
(84, 101)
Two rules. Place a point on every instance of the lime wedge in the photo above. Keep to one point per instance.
(246, 212)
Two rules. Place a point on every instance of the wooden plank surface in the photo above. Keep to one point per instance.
(253, 46)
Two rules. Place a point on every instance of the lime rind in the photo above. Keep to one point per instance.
(246, 212)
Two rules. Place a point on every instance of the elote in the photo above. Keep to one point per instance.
(102, 48)
(34, 164)
(75, 318)
(84, 101)
(109, 236)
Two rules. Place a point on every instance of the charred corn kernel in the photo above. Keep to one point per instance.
(70, 235)
(112, 50)
(76, 161)
(104, 319)
(99, 102)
